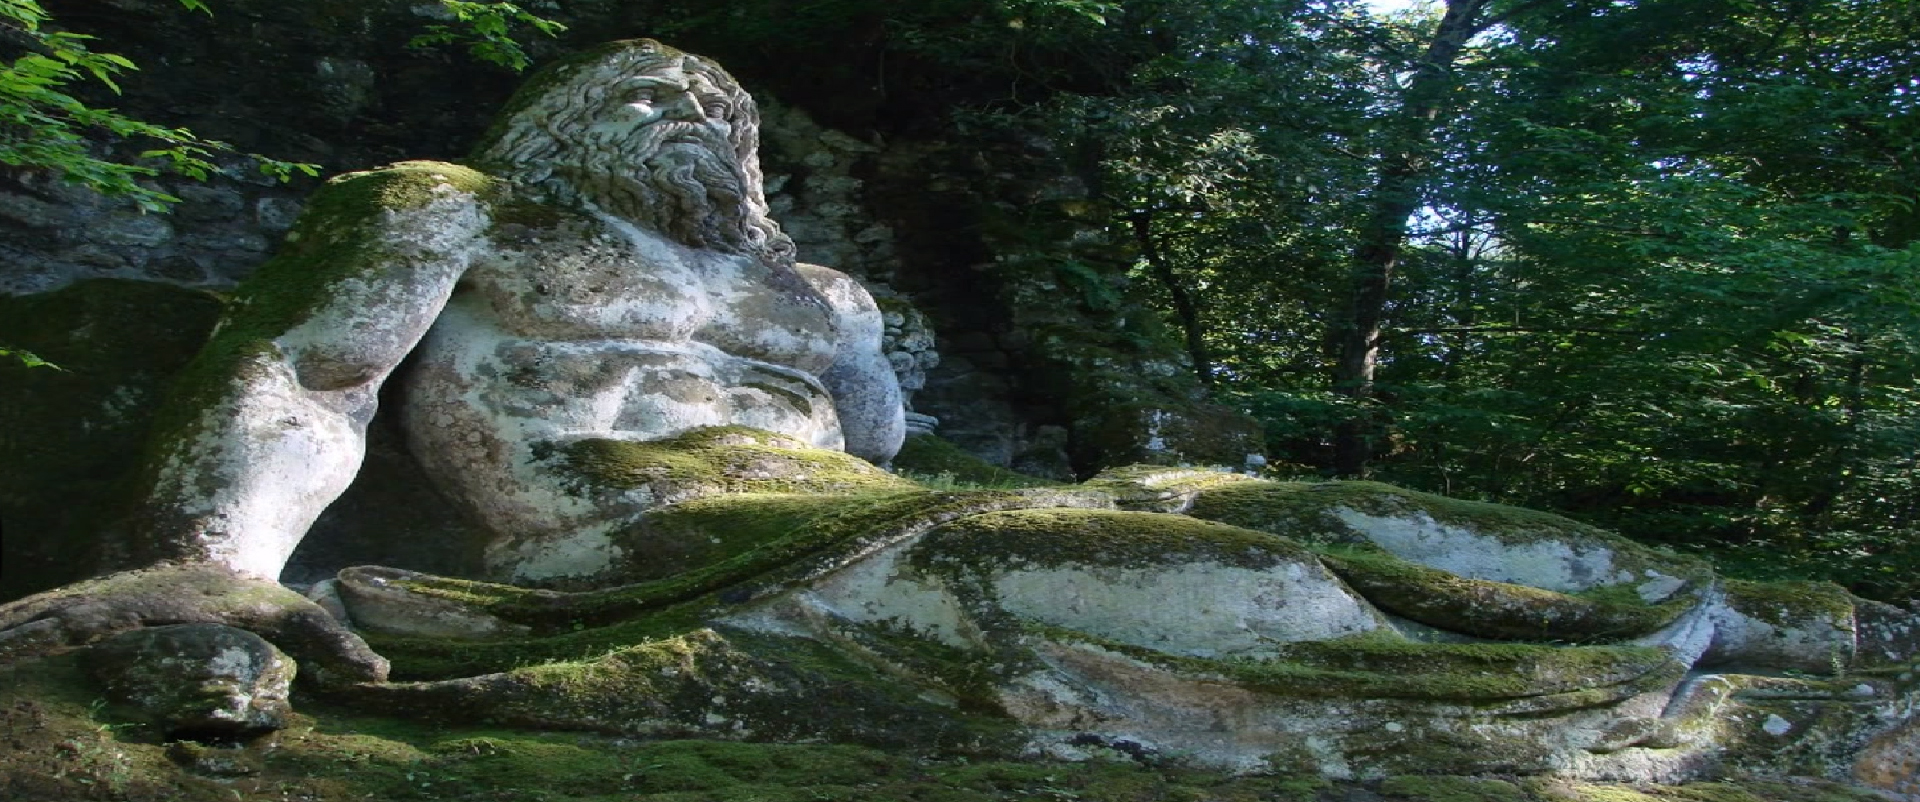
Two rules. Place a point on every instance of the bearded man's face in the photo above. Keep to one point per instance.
(673, 165)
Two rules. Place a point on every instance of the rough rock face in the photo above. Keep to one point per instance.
(1348, 630)
(1445, 644)
(56, 234)
(205, 682)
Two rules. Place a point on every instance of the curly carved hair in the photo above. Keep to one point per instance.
(546, 138)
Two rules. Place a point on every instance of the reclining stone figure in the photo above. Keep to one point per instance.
(619, 370)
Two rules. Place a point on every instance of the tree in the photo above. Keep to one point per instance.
(1650, 263)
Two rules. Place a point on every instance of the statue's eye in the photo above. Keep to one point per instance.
(716, 108)
(640, 96)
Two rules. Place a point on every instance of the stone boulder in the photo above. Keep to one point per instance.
(198, 682)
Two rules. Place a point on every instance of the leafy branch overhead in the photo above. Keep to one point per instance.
(44, 125)
(488, 30)
(27, 358)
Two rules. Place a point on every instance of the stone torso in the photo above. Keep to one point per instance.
(589, 277)
(576, 326)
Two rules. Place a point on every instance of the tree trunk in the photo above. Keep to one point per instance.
(1395, 197)
(1184, 305)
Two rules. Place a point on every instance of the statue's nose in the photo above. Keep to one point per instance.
(683, 106)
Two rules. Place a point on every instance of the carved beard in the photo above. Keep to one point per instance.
(684, 183)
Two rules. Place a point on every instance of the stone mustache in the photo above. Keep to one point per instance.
(614, 358)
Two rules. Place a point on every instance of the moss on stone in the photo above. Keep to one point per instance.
(702, 532)
(1489, 609)
(1113, 538)
(338, 238)
(1292, 509)
(720, 459)
(1428, 788)
(1789, 604)
(1265, 505)
(1748, 791)
(927, 457)
(1310, 512)
(1156, 488)
(731, 684)
(60, 748)
(1382, 665)
(803, 538)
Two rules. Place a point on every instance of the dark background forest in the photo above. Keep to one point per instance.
(1648, 263)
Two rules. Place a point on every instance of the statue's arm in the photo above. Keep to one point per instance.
(865, 390)
(268, 425)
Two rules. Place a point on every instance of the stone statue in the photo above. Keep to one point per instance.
(611, 273)
(612, 357)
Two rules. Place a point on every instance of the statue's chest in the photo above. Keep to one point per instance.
(584, 280)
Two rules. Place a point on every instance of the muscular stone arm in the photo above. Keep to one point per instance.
(866, 394)
(268, 426)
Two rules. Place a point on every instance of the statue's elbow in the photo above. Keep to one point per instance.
(872, 414)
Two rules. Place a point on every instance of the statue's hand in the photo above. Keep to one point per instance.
(195, 593)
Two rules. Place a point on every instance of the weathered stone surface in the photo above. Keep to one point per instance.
(1891, 762)
(166, 594)
(1238, 649)
(614, 278)
(198, 681)
(373, 599)
(1241, 649)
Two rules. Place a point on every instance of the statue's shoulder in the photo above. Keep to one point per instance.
(843, 293)
(393, 226)
(400, 187)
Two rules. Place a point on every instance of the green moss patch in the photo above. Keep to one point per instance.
(727, 683)
(1310, 512)
(825, 532)
(1451, 789)
(721, 459)
(1790, 604)
(1052, 537)
(1488, 609)
(1382, 665)
(62, 745)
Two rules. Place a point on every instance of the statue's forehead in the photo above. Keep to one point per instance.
(663, 74)
(673, 77)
